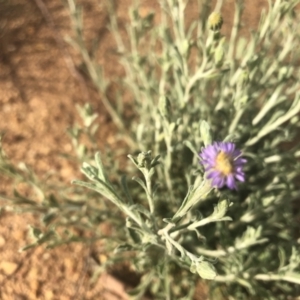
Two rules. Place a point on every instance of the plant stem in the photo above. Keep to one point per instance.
(150, 193)
(289, 277)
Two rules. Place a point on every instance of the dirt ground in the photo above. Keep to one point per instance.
(39, 87)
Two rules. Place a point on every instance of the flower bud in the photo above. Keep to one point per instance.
(206, 270)
(144, 160)
(215, 21)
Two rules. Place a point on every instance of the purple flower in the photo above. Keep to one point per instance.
(223, 164)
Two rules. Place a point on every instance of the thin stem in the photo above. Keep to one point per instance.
(167, 280)
(211, 253)
(197, 76)
(289, 277)
(236, 120)
(235, 29)
(150, 193)
(218, 5)
(165, 232)
(168, 159)
(177, 228)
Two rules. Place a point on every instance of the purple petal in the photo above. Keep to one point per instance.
(208, 168)
(240, 176)
(236, 153)
(209, 160)
(218, 182)
(229, 148)
(213, 174)
(230, 182)
(209, 153)
(238, 169)
(240, 160)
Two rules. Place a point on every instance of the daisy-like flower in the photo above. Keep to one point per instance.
(223, 164)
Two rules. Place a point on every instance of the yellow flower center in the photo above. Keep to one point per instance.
(224, 163)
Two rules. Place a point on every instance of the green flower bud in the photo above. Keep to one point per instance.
(215, 21)
(206, 270)
(144, 160)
